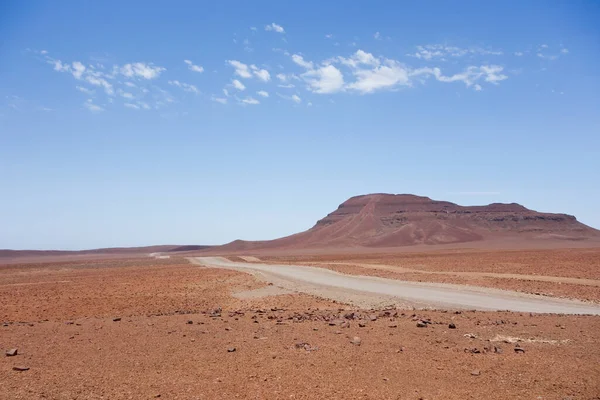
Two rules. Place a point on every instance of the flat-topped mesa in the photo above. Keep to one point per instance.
(385, 205)
(389, 220)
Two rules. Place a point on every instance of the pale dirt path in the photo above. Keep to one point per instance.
(539, 278)
(395, 268)
(367, 291)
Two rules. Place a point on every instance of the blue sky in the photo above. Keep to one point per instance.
(136, 123)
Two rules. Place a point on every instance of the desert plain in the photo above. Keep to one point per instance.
(140, 327)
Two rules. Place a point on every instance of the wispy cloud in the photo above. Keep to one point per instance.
(185, 86)
(262, 93)
(442, 52)
(221, 100)
(85, 90)
(192, 67)
(250, 100)
(238, 85)
(298, 59)
(242, 70)
(141, 70)
(89, 104)
(275, 28)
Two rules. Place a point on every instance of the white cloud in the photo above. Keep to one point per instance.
(59, 66)
(78, 69)
(282, 77)
(145, 106)
(127, 95)
(96, 81)
(288, 86)
(377, 36)
(131, 105)
(130, 84)
(253, 28)
(477, 87)
(250, 100)
(185, 86)
(141, 70)
(489, 73)
(309, 104)
(298, 59)
(296, 99)
(261, 74)
(192, 67)
(329, 36)
(544, 46)
(238, 85)
(442, 51)
(518, 53)
(546, 57)
(262, 93)
(219, 100)
(388, 76)
(44, 52)
(564, 51)
(92, 107)
(241, 69)
(358, 58)
(274, 27)
(85, 90)
(327, 79)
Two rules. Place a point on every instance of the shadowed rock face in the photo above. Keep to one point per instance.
(386, 220)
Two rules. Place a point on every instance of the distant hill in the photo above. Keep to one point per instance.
(111, 251)
(387, 220)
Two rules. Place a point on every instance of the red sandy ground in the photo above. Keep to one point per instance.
(60, 317)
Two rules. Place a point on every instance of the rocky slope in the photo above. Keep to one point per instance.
(386, 220)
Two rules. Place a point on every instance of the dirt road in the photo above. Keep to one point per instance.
(368, 291)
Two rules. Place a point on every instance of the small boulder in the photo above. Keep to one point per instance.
(231, 349)
(421, 324)
(451, 326)
(476, 372)
(20, 368)
(356, 341)
(116, 319)
(11, 352)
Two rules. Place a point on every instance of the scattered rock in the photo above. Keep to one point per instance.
(231, 349)
(190, 322)
(421, 324)
(361, 324)
(116, 319)
(393, 325)
(20, 368)
(356, 341)
(519, 350)
(451, 326)
(497, 350)
(373, 317)
(12, 352)
(476, 372)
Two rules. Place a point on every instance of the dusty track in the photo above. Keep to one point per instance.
(372, 291)
(525, 277)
